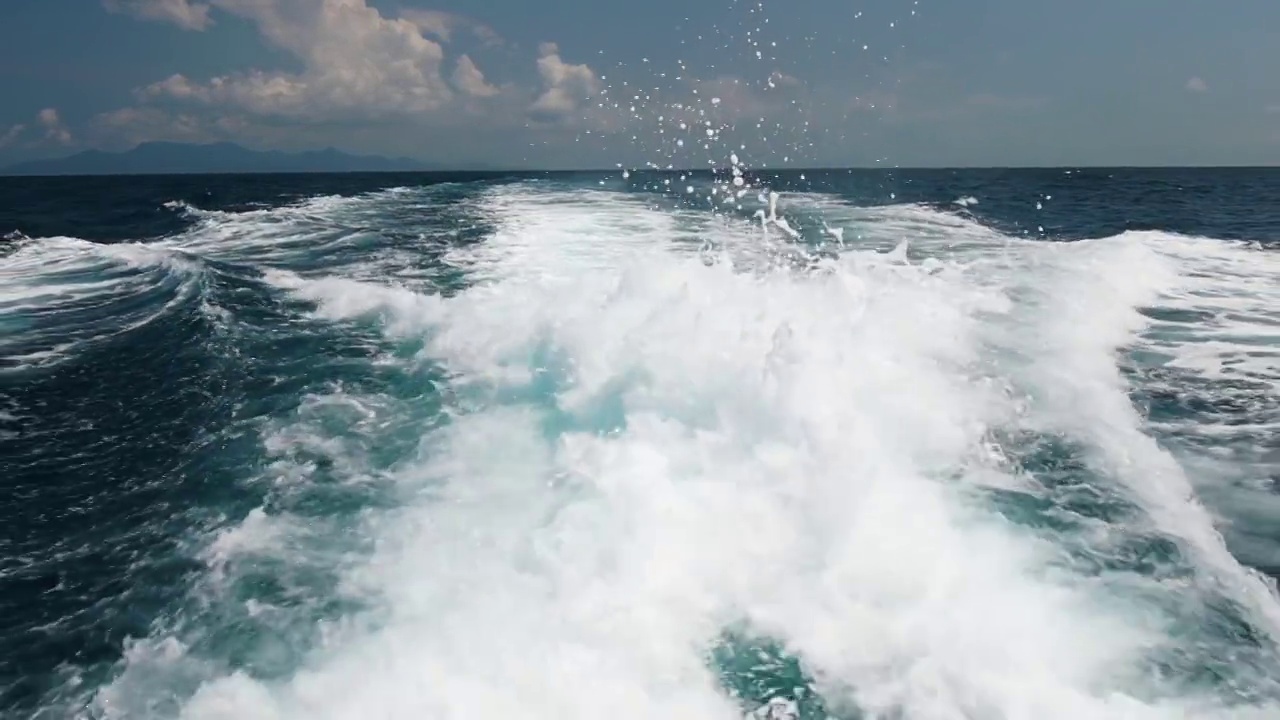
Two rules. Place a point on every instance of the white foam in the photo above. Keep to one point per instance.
(594, 231)
(1233, 290)
(270, 235)
(795, 451)
(1212, 345)
(772, 218)
(35, 276)
(48, 277)
(1082, 308)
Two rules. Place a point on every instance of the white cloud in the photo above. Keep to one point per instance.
(8, 137)
(127, 127)
(468, 78)
(183, 13)
(1197, 84)
(372, 82)
(47, 120)
(359, 65)
(53, 127)
(444, 25)
(566, 88)
(356, 64)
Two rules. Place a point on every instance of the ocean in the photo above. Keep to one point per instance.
(924, 445)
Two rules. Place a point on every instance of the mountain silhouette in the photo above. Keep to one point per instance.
(164, 158)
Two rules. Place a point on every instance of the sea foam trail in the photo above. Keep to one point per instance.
(1194, 304)
(1097, 289)
(1211, 372)
(59, 294)
(649, 449)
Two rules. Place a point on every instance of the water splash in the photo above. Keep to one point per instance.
(646, 450)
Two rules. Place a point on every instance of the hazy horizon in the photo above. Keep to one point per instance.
(481, 168)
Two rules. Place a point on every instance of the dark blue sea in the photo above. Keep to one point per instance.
(876, 445)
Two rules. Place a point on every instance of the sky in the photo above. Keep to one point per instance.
(683, 83)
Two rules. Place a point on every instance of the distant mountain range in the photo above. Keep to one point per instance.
(163, 158)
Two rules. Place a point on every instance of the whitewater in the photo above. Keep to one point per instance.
(635, 459)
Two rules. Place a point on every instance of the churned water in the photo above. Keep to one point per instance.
(934, 445)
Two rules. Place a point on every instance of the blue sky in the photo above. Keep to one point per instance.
(577, 83)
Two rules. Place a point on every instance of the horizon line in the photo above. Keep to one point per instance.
(635, 170)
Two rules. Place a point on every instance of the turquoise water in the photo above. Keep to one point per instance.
(543, 447)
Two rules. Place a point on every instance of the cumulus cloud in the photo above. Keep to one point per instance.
(567, 88)
(360, 77)
(127, 127)
(359, 65)
(468, 78)
(1197, 84)
(48, 120)
(444, 26)
(356, 64)
(54, 129)
(183, 13)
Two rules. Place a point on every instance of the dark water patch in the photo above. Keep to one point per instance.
(1101, 531)
(124, 457)
(1074, 203)
(1228, 420)
(1070, 494)
(1213, 649)
(1106, 537)
(1051, 203)
(103, 467)
(755, 670)
(1170, 395)
(1179, 315)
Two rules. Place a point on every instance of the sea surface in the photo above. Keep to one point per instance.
(923, 445)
